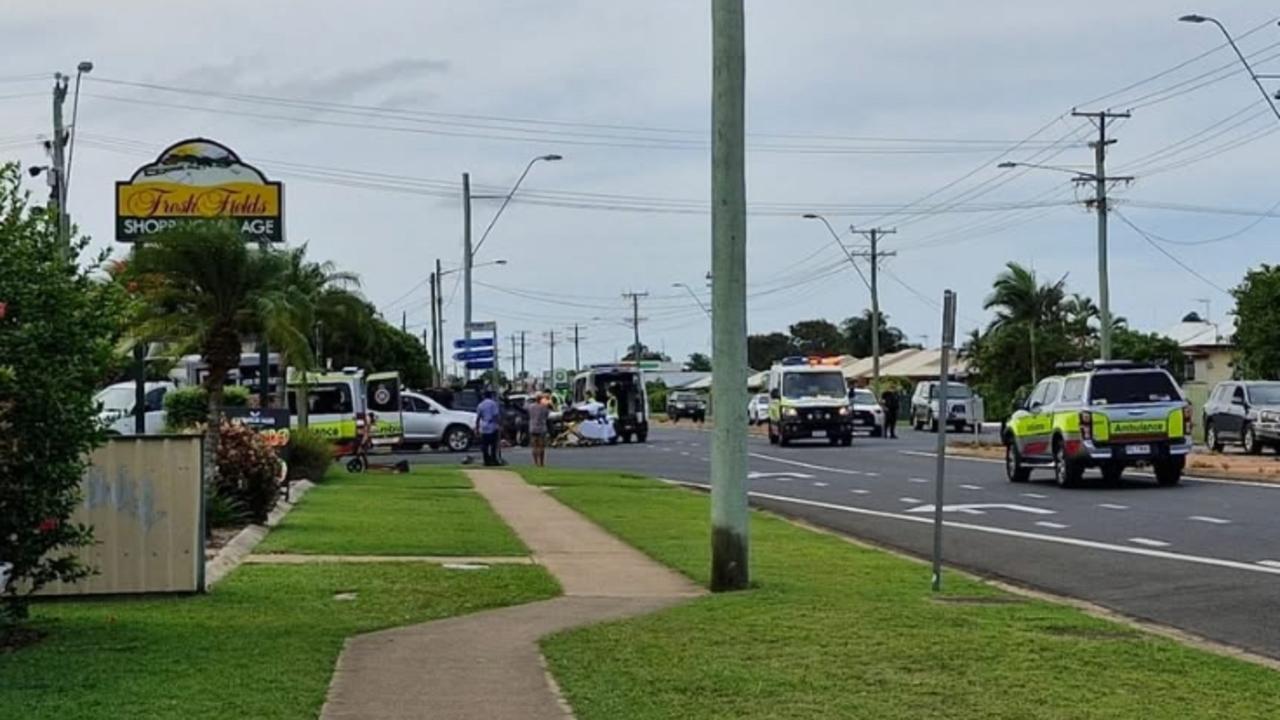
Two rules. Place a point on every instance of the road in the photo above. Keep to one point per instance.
(1203, 557)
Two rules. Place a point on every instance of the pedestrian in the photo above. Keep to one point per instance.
(489, 427)
(539, 410)
(889, 399)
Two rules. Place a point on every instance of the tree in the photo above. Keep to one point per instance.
(57, 329)
(206, 290)
(1149, 347)
(698, 363)
(816, 337)
(1021, 301)
(765, 350)
(645, 354)
(856, 332)
(1257, 314)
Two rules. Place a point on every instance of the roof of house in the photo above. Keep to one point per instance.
(863, 367)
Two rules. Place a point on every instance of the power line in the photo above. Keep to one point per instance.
(1150, 241)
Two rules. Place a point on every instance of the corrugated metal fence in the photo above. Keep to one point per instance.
(142, 495)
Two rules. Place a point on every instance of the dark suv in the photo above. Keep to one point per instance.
(1244, 412)
(690, 405)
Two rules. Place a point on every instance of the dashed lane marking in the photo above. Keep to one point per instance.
(1035, 496)
(970, 487)
(819, 484)
(1051, 525)
(858, 491)
(871, 474)
(917, 480)
(1113, 506)
(1210, 519)
(909, 500)
(1149, 542)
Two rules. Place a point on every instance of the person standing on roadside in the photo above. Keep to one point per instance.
(539, 410)
(889, 399)
(488, 427)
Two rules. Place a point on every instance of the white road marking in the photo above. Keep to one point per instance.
(871, 474)
(1149, 542)
(811, 466)
(705, 459)
(971, 487)
(1113, 506)
(693, 444)
(858, 491)
(819, 484)
(1035, 496)
(1270, 563)
(754, 475)
(1022, 534)
(683, 453)
(917, 480)
(978, 508)
(1051, 525)
(1210, 519)
(912, 501)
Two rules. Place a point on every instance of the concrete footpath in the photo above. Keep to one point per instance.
(487, 665)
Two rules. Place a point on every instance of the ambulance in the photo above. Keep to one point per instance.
(808, 398)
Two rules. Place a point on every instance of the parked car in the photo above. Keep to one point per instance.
(758, 409)
(116, 403)
(1245, 412)
(515, 419)
(685, 404)
(961, 406)
(867, 412)
(427, 422)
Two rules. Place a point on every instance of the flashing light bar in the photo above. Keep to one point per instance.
(797, 360)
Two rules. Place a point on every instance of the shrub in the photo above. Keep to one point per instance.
(309, 455)
(248, 470)
(221, 511)
(188, 407)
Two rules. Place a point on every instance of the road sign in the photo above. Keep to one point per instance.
(475, 342)
(485, 354)
(486, 326)
(981, 508)
(480, 364)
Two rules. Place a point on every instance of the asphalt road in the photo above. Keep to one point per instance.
(1203, 557)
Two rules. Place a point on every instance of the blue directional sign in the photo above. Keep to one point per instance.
(475, 342)
(483, 354)
(480, 364)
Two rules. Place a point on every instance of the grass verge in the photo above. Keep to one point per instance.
(430, 511)
(834, 630)
(262, 646)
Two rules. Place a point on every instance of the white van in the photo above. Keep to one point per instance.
(621, 389)
(117, 402)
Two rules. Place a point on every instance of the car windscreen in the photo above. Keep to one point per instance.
(325, 400)
(864, 397)
(117, 398)
(954, 391)
(1264, 393)
(684, 397)
(813, 384)
(1131, 387)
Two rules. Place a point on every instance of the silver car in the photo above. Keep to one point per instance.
(427, 422)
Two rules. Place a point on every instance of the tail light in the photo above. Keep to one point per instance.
(1086, 425)
(1188, 420)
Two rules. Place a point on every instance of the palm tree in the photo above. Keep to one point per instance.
(1021, 301)
(205, 290)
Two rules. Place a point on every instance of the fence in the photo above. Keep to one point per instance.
(142, 496)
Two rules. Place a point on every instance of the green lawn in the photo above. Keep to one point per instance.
(834, 630)
(431, 511)
(262, 645)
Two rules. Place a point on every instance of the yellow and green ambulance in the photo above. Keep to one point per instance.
(808, 397)
(1109, 415)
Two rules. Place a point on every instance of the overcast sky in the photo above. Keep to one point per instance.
(864, 110)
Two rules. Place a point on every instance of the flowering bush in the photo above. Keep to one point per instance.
(248, 470)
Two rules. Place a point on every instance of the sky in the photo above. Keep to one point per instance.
(873, 114)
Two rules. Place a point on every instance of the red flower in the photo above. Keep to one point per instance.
(4, 307)
(48, 525)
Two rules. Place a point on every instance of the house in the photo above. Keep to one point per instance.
(914, 364)
(1210, 352)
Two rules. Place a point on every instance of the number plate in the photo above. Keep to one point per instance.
(1137, 450)
(861, 421)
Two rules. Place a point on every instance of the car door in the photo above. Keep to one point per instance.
(382, 398)
(413, 411)
(155, 415)
(1034, 424)
(1234, 412)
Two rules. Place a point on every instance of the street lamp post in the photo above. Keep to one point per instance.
(468, 252)
(875, 298)
(1257, 79)
(695, 297)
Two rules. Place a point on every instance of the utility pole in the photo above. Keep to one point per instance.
(730, 569)
(467, 254)
(873, 255)
(551, 341)
(513, 358)
(435, 358)
(404, 321)
(438, 304)
(1100, 119)
(58, 191)
(634, 297)
(523, 372)
(577, 337)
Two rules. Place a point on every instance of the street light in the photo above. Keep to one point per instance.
(1198, 19)
(84, 68)
(693, 295)
(473, 267)
(875, 296)
(468, 252)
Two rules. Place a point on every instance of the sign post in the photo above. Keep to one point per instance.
(948, 343)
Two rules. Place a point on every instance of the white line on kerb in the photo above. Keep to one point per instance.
(1113, 506)
(1149, 542)
(1051, 525)
(1260, 567)
(971, 487)
(1210, 519)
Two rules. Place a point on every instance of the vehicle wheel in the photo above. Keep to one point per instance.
(1112, 473)
(959, 427)
(783, 440)
(1249, 438)
(877, 432)
(1065, 470)
(933, 425)
(773, 437)
(916, 424)
(1013, 467)
(613, 440)
(847, 440)
(524, 438)
(642, 437)
(1169, 472)
(675, 419)
(626, 438)
(1211, 438)
(355, 465)
(834, 440)
(457, 439)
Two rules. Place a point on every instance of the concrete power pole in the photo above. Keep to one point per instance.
(467, 256)
(873, 255)
(634, 297)
(577, 338)
(435, 357)
(729, 519)
(513, 357)
(58, 192)
(523, 372)
(551, 341)
(1100, 180)
(438, 301)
